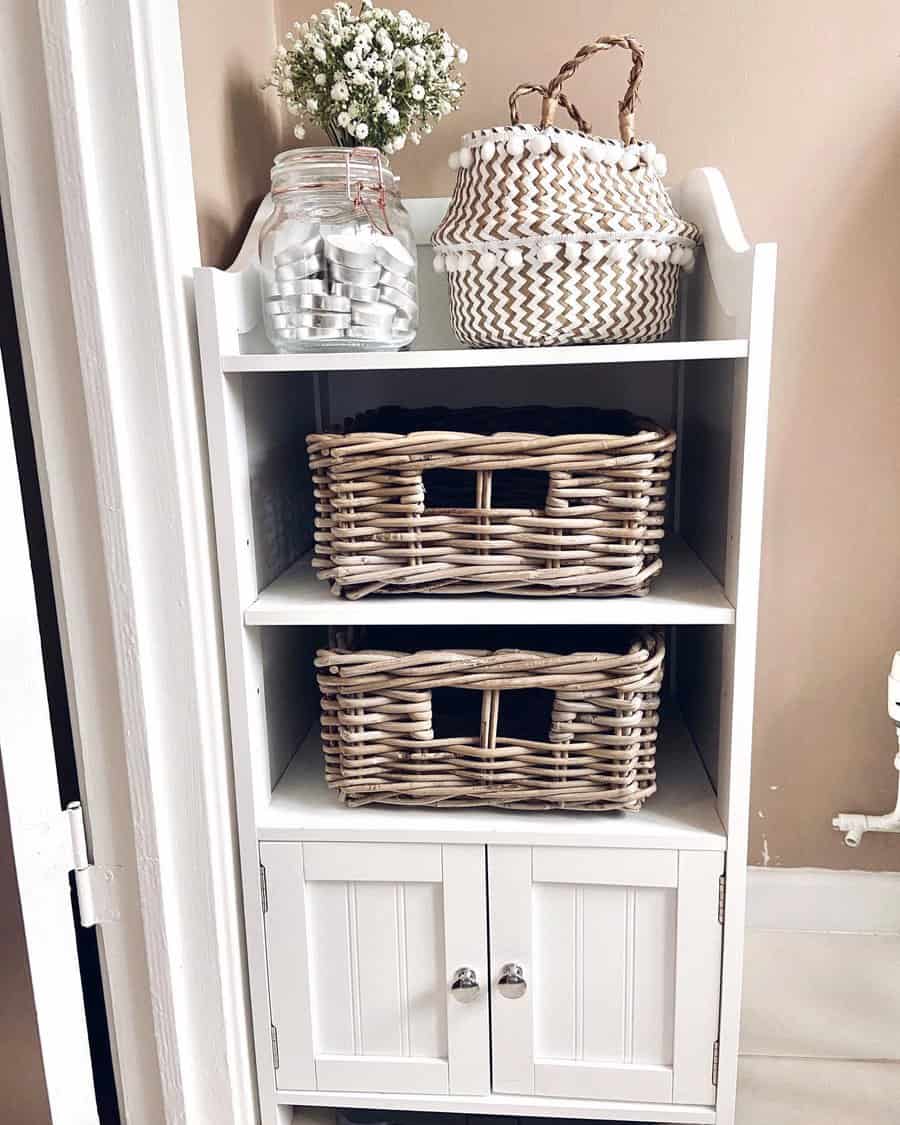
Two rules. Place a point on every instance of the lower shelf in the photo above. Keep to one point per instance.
(498, 1104)
(681, 814)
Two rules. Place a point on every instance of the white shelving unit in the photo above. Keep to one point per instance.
(629, 937)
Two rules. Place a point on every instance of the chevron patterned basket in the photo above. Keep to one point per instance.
(555, 236)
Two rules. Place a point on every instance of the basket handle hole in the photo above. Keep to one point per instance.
(521, 489)
(526, 713)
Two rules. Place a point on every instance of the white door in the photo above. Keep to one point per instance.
(41, 843)
(605, 969)
(377, 959)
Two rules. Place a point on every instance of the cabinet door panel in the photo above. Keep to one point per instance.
(366, 1006)
(621, 954)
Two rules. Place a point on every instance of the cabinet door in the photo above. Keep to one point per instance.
(620, 953)
(364, 943)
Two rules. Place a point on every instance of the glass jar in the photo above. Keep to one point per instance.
(337, 255)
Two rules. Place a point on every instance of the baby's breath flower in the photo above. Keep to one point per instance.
(371, 74)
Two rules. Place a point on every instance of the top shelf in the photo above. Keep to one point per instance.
(453, 358)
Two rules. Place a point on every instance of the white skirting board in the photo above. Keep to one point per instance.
(823, 901)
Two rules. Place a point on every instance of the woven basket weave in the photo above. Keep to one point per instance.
(555, 236)
(595, 750)
(561, 501)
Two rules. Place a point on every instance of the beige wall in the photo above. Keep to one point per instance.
(227, 46)
(799, 103)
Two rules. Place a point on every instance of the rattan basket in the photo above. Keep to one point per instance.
(556, 236)
(509, 727)
(557, 501)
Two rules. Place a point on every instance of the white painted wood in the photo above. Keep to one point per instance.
(682, 813)
(41, 844)
(696, 981)
(385, 1075)
(623, 982)
(615, 1081)
(742, 584)
(653, 986)
(457, 355)
(822, 901)
(466, 946)
(286, 934)
(684, 594)
(512, 1020)
(381, 863)
(508, 1105)
(34, 235)
(597, 866)
(177, 945)
(719, 318)
(218, 299)
(359, 970)
(422, 910)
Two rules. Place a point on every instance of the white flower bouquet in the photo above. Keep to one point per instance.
(378, 78)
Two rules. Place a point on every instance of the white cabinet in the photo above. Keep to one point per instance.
(364, 942)
(601, 980)
(630, 979)
(620, 952)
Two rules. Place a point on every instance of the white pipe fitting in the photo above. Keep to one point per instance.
(856, 825)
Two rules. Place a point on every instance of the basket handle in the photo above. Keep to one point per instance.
(553, 96)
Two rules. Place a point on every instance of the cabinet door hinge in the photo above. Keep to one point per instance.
(263, 889)
(96, 888)
(721, 900)
(275, 1059)
(715, 1064)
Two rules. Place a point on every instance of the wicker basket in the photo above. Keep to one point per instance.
(562, 501)
(577, 731)
(555, 236)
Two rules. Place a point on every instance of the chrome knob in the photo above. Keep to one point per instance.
(512, 983)
(465, 987)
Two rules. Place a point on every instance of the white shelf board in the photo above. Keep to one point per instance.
(685, 593)
(681, 814)
(494, 1105)
(453, 358)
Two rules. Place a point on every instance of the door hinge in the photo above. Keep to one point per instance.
(96, 888)
(721, 900)
(263, 889)
(715, 1064)
(275, 1058)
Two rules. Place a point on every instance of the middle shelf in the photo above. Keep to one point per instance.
(685, 593)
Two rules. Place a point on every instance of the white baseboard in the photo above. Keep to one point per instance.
(824, 901)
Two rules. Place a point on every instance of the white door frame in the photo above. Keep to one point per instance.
(97, 195)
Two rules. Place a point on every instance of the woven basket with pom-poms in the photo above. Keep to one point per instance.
(556, 236)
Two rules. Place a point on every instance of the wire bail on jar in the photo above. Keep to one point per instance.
(356, 192)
